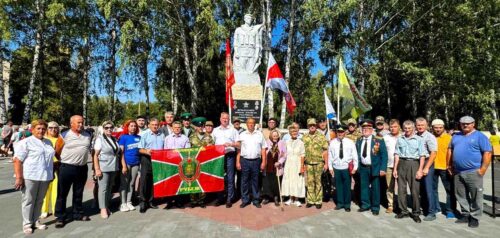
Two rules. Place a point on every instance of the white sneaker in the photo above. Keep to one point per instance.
(44, 215)
(40, 226)
(130, 206)
(289, 202)
(124, 208)
(297, 203)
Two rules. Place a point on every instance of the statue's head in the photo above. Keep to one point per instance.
(248, 19)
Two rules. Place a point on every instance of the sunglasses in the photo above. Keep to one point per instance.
(53, 128)
(108, 127)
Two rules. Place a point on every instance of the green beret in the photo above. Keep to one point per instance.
(199, 121)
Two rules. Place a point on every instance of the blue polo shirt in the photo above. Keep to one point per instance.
(468, 151)
(130, 145)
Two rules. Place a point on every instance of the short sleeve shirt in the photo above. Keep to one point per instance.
(36, 156)
(108, 160)
(315, 145)
(152, 141)
(430, 142)
(224, 135)
(130, 145)
(252, 144)
(468, 150)
(76, 149)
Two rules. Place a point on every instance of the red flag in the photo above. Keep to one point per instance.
(275, 80)
(229, 75)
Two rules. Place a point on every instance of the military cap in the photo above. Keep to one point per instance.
(186, 116)
(236, 119)
(367, 123)
(209, 123)
(351, 121)
(341, 128)
(311, 121)
(199, 121)
(467, 119)
(379, 119)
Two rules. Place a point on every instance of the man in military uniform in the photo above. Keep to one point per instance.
(380, 130)
(372, 154)
(316, 161)
(352, 130)
(199, 139)
(187, 129)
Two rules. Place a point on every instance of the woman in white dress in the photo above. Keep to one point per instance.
(293, 178)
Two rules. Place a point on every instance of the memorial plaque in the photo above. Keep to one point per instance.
(247, 108)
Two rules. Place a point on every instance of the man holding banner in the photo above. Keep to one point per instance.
(151, 139)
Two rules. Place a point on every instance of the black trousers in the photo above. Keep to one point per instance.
(70, 175)
(146, 179)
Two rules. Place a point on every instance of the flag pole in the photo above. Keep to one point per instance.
(264, 95)
(339, 113)
(229, 107)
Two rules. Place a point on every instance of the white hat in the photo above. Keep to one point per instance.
(437, 122)
(467, 119)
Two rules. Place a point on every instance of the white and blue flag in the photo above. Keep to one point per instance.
(330, 112)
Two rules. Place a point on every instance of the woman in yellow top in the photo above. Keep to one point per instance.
(51, 195)
(494, 138)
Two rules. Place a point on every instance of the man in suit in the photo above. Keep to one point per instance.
(372, 155)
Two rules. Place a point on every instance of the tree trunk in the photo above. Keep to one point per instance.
(112, 75)
(494, 109)
(34, 67)
(270, 95)
(288, 60)
(3, 109)
(191, 66)
(173, 91)
(145, 77)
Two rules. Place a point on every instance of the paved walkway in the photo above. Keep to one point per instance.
(268, 221)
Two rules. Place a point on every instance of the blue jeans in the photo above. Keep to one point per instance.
(229, 167)
(430, 198)
(447, 180)
(250, 169)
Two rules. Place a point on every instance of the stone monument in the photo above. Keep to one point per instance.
(247, 90)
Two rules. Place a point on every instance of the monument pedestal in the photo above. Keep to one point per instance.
(247, 96)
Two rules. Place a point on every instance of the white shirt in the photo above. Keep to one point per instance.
(349, 152)
(224, 135)
(252, 144)
(368, 159)
(390, 143)
(36, 156)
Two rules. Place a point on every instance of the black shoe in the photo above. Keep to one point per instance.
(337, 208)
(473, 222)
(243, 205)
(416, 218)
(363, 209)
(401, 215)
(375, 213)
(81, 218)
(178, 204)
(276, 202)
(463, 219)
(150, 205)
(192, 205)
(143, 208)
(309, 205)
(202, 205)
(60, 224)
(229, 204)
(265, 201)
(348, 210)
(318, 206)
(257, 205)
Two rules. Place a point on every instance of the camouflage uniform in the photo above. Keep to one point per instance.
(199, 140)
(315, 145)
(354, 136)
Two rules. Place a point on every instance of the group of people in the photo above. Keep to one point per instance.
(261, 166)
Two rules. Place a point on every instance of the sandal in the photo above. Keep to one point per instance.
(40, 226)
(27, 230)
